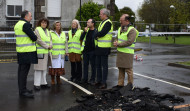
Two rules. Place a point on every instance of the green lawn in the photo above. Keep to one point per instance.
(183, 40)
(184, 63)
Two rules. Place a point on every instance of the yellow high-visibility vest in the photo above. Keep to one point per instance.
(45, 38)
(23, 42)
(106, 40)
(58, 43)
(123, 37)
(74, 42)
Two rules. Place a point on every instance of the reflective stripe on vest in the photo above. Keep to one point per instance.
(106, 40)
(84, 40)
(122, 37)
(74, 42)
(21, 35)
(25, 45)
(124, 41)
(23, 42)
(45, 38)
(58, 43)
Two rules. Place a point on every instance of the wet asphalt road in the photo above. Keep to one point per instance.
(59, 98)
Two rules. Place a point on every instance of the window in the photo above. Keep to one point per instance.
(14, 10)
(54, 8)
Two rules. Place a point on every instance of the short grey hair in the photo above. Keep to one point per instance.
(106, 11)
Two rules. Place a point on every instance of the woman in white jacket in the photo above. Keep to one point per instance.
(59, 50)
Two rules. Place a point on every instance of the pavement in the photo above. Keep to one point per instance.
(152, 72)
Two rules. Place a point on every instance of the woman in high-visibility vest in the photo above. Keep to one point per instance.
(60, 48)
(44, 45)
(74, 46)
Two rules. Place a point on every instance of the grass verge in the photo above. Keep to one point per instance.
(182, 40)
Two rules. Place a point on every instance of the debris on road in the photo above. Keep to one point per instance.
(138, 99)
(138, 58)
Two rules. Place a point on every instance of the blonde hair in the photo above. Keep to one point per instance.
(54, 26)
(78, 24)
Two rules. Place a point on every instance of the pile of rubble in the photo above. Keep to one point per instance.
(138, 99)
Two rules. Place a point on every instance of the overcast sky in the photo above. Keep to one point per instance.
(133, 4)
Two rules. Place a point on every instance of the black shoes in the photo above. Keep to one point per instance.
(129, 86)
(77, 81)
(29, 91)
(37, 88)
(98, 84)
(84, 82)
(26, 95)
(117, 87)
(92, 83)
(71, 79)
(46, 86)
(102, 86)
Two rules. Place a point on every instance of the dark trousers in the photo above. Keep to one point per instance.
(89, 57)
(76, 70)
(23, 70)
(102, 68)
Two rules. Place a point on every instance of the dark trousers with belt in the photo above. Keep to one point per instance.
(76, 71)
(102, 68)
(89, 57)
(23, 70)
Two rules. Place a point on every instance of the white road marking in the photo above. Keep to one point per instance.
(76, 85)
(137, 74)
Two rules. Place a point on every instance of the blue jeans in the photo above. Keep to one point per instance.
(102, 68)
(89, 57)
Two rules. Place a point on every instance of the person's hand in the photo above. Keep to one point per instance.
(50, 47)
(85, 29)
(115, 44)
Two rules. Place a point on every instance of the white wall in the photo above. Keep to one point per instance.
(2, 12)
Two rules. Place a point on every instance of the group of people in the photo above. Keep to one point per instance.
(46, 49)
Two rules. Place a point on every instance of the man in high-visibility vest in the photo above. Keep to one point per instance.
(88, 51)
(26, 51)
(125, 44)
(104, 38)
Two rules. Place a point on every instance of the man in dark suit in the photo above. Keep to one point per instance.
(26, 51)
(104, 38)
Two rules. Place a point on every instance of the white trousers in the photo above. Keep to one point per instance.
(40, 77)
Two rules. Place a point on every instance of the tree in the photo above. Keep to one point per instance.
(181, 12)
(155, 11)
(89, 10)
(127, 10)
(117, 14)
(159, 11)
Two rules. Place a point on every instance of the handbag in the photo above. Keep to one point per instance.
(66, 58)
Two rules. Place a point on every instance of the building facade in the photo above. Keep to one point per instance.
(63, 10)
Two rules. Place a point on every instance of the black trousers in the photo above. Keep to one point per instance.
(23, 70)
(102, 68)
(76, 71)
(89, 57)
